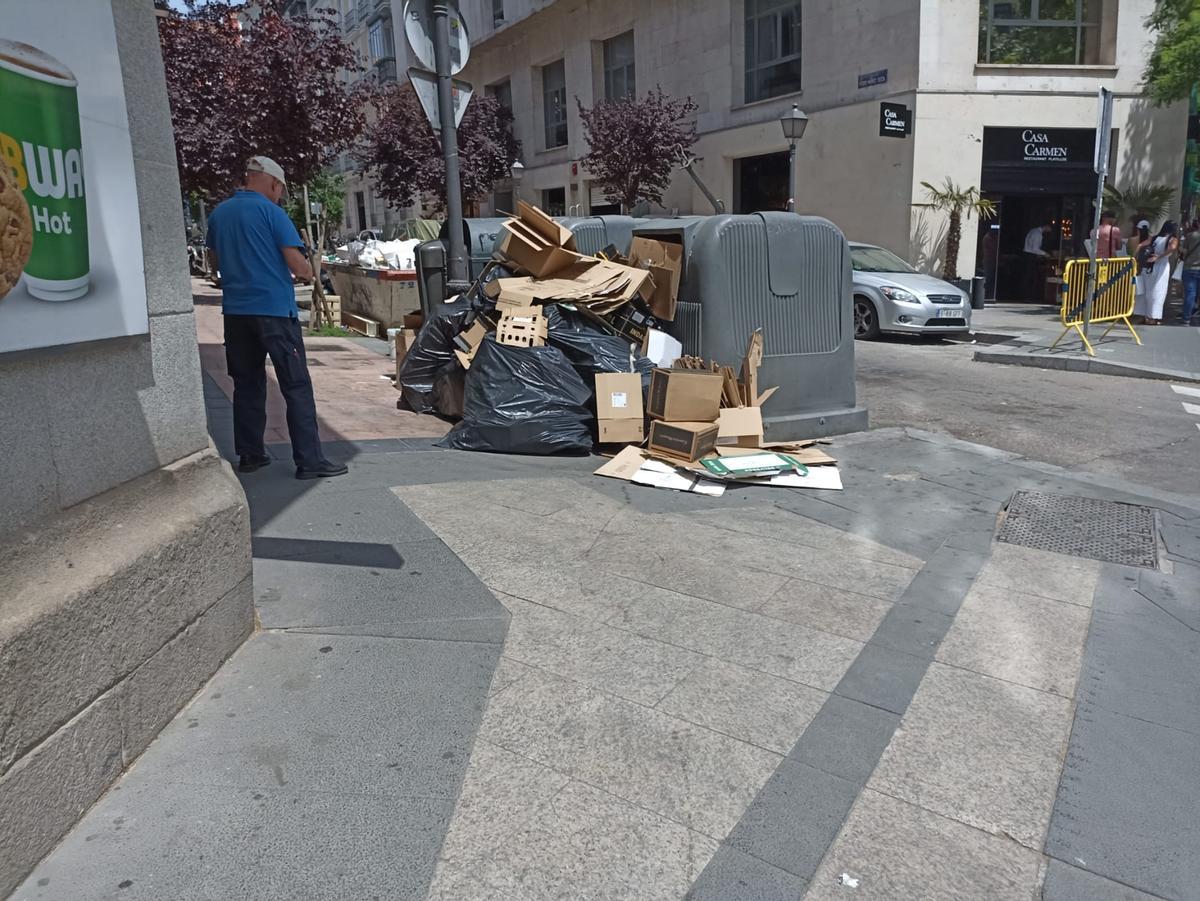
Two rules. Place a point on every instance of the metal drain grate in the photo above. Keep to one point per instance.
(1082, 527)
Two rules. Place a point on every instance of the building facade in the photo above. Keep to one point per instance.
(999, 94)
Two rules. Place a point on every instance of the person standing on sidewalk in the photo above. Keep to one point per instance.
(1189, 255)
(1108, 238)
(258, 250)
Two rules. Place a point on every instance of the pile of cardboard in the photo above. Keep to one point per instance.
(699, 427)
(706, 431)
(623, 296)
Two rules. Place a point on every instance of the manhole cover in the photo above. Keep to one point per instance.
(1082, 527)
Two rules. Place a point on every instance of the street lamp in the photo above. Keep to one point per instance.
(794, 123)
(518, 172)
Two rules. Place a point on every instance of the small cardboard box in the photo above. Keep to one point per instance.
(522, 327)
(536, 243)
(413, 320)
(631, 321)
(686, 441)
(687, 395)
(619, 407)
(664, 259)
(740, 426)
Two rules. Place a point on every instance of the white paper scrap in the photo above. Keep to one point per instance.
(826, 478)
(657, 474)
(848, 881)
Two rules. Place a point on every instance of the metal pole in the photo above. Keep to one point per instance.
(457, 255)
(1091, 271)
(791, 204)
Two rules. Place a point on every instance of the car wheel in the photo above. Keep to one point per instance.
(866, 319)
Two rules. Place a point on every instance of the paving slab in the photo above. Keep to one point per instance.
(1126, 809)
(734, 874)
(979, 750)
(809, 656)
(757, 708)
(899, 850)
(1019, 638)
(696, 777)
(1067, 883)
(794, 818)
(846, 738)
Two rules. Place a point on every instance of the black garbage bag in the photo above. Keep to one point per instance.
(433, 350)
(448, 388)
(523, 400)
(591, 349)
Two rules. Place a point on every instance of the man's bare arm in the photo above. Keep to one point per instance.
(297, 263)
(213, 263)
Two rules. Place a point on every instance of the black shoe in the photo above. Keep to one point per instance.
(252, 462)
(323, 470)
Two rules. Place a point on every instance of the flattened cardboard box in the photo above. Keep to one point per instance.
(686, 441)
(686, 395)
(619, 413)
(404, 340)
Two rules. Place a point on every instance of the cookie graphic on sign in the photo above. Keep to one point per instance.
(16, 232)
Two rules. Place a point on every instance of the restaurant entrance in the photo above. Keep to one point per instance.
(1042, 183)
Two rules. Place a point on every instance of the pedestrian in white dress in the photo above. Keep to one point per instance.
(1155, 261)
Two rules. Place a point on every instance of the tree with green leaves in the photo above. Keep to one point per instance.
(1174, 65)
(1145, 201)
(956, 200)
(326, 189)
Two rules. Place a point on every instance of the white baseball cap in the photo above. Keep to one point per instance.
(1145, 223)
(267, 165)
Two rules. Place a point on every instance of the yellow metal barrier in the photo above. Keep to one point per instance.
(1113, 302)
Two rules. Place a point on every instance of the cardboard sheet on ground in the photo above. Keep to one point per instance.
(633, 465)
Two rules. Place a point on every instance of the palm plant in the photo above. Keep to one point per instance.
(955, 200)
(1145, 201)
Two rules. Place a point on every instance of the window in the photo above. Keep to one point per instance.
(1040, 32)
(501, 92)
(554, 103)
(618, 67)
(772, 48)
(379, 40)
(554, 201)
(497, 12)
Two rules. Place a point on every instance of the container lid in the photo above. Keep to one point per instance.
(29, 60)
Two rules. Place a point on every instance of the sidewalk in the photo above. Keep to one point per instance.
(491, 677)
(1022, 335)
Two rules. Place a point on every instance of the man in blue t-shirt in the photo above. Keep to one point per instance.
(256, 248)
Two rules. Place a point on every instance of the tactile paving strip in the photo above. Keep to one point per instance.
(1082, 527)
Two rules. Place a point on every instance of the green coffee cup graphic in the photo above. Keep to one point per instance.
(40, 143)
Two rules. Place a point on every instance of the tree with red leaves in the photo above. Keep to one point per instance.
(259, 83)
(635, 143)
(404, 157)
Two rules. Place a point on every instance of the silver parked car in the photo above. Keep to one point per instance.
(891, 296)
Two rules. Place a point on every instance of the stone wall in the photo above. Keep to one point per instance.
(124, 539)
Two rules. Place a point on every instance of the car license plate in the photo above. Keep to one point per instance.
(949, 314)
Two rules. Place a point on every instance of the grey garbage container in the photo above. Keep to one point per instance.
(479, 236)
(594, 233)
(431, 275)
(790, 276)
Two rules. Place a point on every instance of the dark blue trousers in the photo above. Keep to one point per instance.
(249, 340)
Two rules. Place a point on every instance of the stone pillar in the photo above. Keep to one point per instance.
(124, 538)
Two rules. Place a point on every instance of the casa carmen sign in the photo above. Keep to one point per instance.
(1035, 146)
